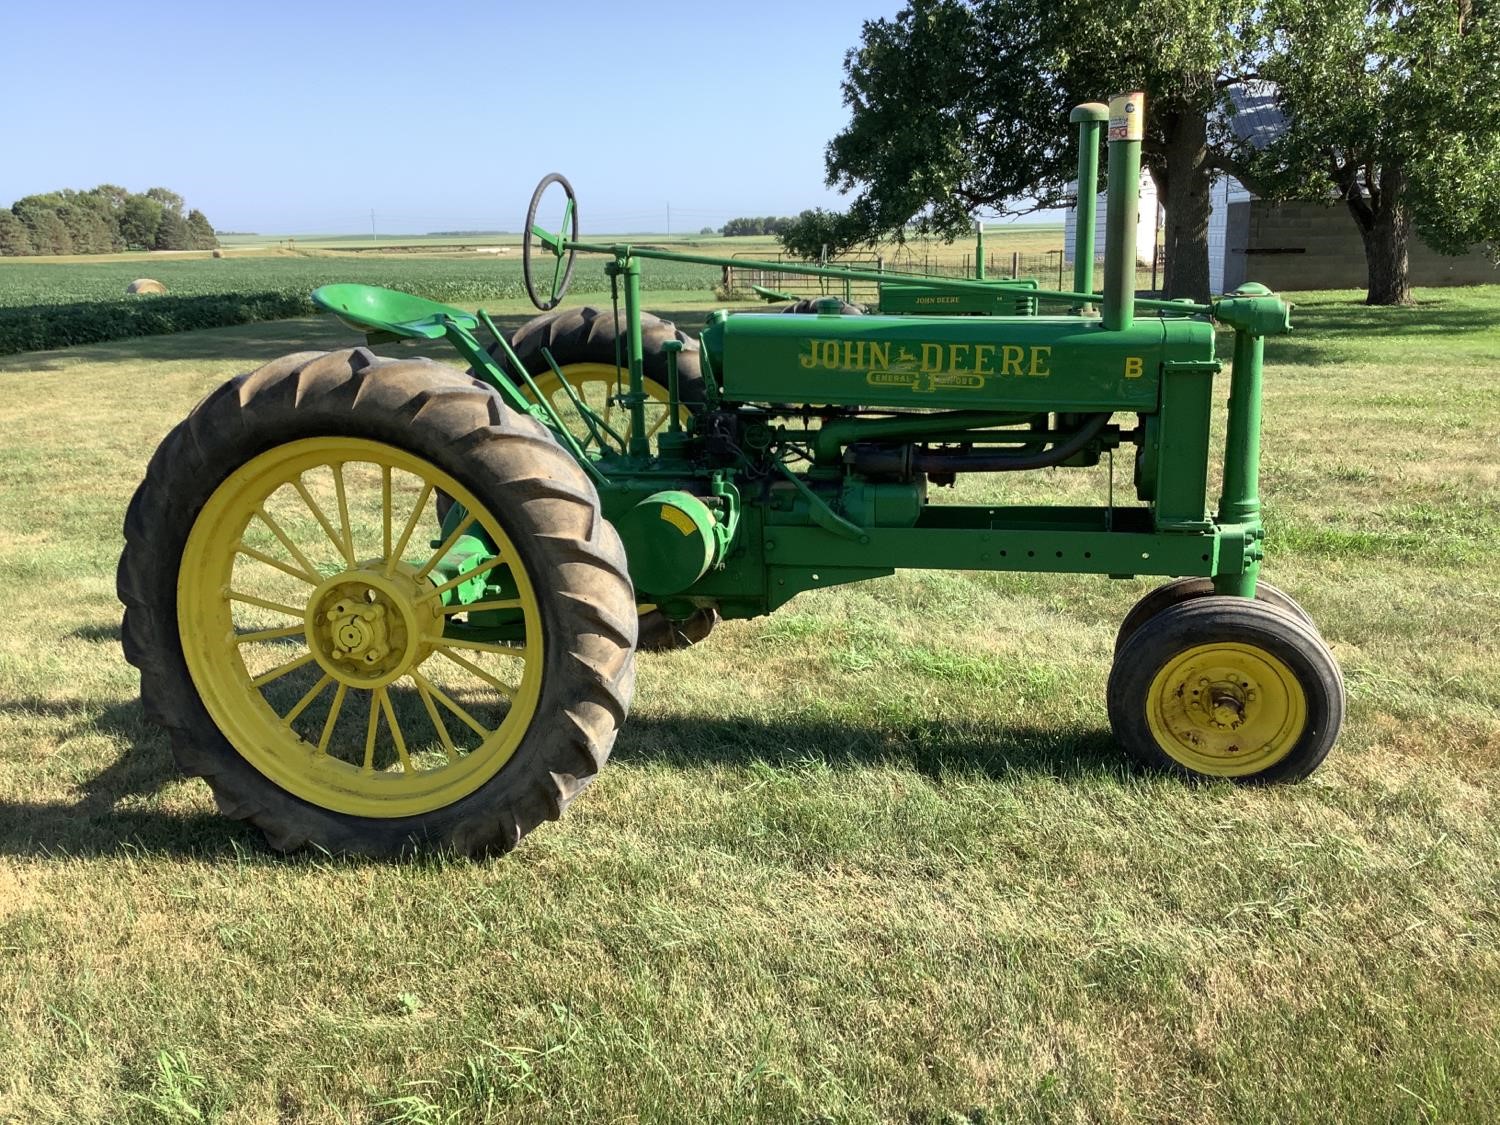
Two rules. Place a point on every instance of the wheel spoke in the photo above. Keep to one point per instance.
(281, 670)
(474, 669)
(345, 528)
(286, 541)
(385, 510)
(303, 703)
(312, 506)
(262, 557)
(658, 423)
(371, 729)
(394, 556)
(437, 720)
(562, 233)
(474, 607)
(274, 607)
(269, 634)
(443, 548)
(469, 720)
(483, 646)
(333, 717)
(390, 720)
(482, 568)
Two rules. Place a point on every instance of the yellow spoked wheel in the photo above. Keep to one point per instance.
(1227, 688)
(313, 625)
(297, 613)
(598, 386)
(584, 343)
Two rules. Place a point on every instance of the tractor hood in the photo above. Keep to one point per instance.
(1064, 363)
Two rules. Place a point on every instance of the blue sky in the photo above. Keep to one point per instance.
(302, 118)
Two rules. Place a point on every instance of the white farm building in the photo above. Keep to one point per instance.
(1283, 245)
(1145, 228)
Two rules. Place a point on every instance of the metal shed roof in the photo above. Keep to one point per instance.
(1256, 119)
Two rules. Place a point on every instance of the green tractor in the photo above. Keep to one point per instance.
(382, 604)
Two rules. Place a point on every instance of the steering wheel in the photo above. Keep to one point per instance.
(562, 271)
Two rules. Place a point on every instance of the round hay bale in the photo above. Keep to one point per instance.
(145, 285)
(218, 253)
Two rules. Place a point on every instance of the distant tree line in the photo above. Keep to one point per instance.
(102, 220)
(770, 224)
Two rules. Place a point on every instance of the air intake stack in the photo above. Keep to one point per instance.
(1127, 126)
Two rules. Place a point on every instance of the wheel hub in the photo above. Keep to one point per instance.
(1226, 708)
(1222, 703)
(357, 633)
(367, 628)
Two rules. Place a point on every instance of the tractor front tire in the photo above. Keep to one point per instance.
(1190, 589)
(363, 429)
(1226, 687)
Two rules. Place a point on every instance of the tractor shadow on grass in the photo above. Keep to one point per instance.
(935, 748)
(113, 812)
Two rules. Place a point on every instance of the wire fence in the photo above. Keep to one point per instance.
(1050, 269)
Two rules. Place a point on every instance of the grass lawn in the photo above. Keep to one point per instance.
(871, 858)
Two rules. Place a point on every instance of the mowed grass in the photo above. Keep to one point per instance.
(872, 858)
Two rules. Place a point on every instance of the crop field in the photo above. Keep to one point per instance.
(463, 280)
(53, 303)
(1022, 237)
(873, 858)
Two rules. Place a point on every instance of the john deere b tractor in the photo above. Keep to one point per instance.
(383, 603)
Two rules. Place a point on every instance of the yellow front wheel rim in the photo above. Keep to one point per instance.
(1226, 709)
(313, 627)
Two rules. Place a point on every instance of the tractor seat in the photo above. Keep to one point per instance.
(369, 308)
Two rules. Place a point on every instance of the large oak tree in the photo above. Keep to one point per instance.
(1392, 108)
(962, 105)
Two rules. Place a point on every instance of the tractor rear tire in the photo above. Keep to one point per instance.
(809, 306)
(565, 561)
(1226, 688)
(659, 633)
(1189, 589)
(587, 335)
